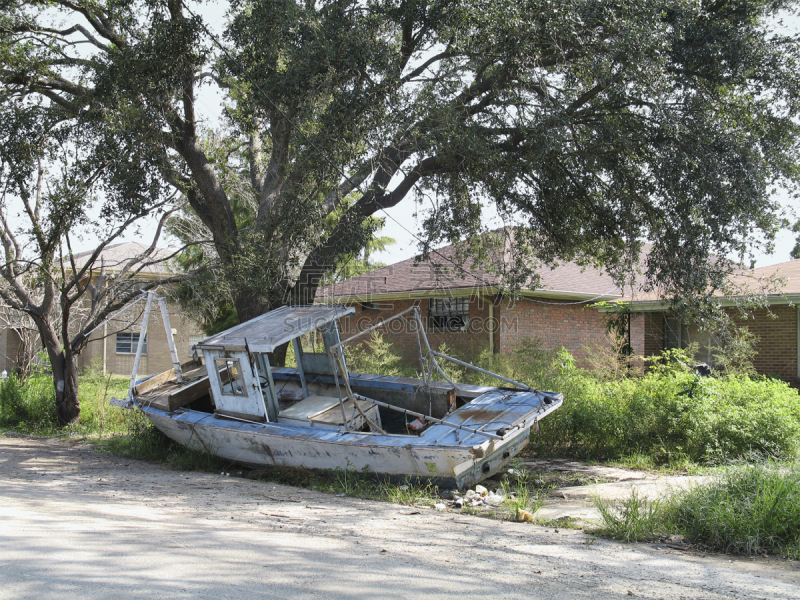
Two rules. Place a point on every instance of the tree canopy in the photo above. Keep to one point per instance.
(595, 126)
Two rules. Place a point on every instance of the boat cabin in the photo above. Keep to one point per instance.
(241, 379)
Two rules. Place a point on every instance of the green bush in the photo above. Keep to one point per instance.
(673, 416)
(28, 406)
(669, 415)
(375, 356)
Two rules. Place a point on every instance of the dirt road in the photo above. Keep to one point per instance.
(75, 523)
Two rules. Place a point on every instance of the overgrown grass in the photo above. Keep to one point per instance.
(673, 417)
(745, 509)
(751, 509)
(97, 417)
(28, 406)
(666, 416)
(143, 441)
(635, 519)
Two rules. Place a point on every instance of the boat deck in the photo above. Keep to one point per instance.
(166, 393)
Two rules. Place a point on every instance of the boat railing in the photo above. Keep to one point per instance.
(428, 363)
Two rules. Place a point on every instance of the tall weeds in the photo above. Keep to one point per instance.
(666, 415)
(28, 406)
(672, 415)
(745, 509)
(748, 509)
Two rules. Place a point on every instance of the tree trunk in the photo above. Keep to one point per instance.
(249, 307)
(65, 379)
(278, 358)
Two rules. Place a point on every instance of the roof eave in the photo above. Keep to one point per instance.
(661, 305)
(462, 292)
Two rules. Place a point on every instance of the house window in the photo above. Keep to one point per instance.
(231, 380)
(127, 343)
(678, 335)
(369, 306)
(449, 313)
(673, 330)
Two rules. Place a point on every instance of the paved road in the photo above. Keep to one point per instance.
(75, 523)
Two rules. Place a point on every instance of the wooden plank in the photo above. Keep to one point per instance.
(153, 382)
(189, 393)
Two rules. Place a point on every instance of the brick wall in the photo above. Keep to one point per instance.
(777, 345)
(466, 344)
(776, 348)
(157, 359)
(556, 324)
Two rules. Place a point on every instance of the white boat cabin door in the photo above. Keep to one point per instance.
(235, 389)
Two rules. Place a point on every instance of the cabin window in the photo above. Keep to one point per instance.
(449, 313)
(127, 343)
(231, 380)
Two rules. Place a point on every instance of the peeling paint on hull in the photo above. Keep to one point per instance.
(461, 463)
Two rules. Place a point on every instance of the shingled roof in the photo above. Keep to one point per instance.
(778, 283)
(412, 278)
(788, 271)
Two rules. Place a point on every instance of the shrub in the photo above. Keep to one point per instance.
(669, 414)
(375, 356)
(29, 405)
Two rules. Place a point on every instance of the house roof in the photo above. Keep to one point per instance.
(440, 277)
(779, 283)
(788, 271)
(116, 256)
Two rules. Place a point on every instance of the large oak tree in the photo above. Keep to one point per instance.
(596, 125)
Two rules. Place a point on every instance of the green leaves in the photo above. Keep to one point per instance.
(593, 126)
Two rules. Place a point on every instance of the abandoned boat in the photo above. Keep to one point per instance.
(231, 402)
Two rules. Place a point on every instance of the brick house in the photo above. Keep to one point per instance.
(467, 310)
(113, 346)
(777, 326)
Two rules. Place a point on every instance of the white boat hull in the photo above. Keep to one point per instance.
(278, 445)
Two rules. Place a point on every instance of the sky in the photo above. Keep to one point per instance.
(403, 222)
